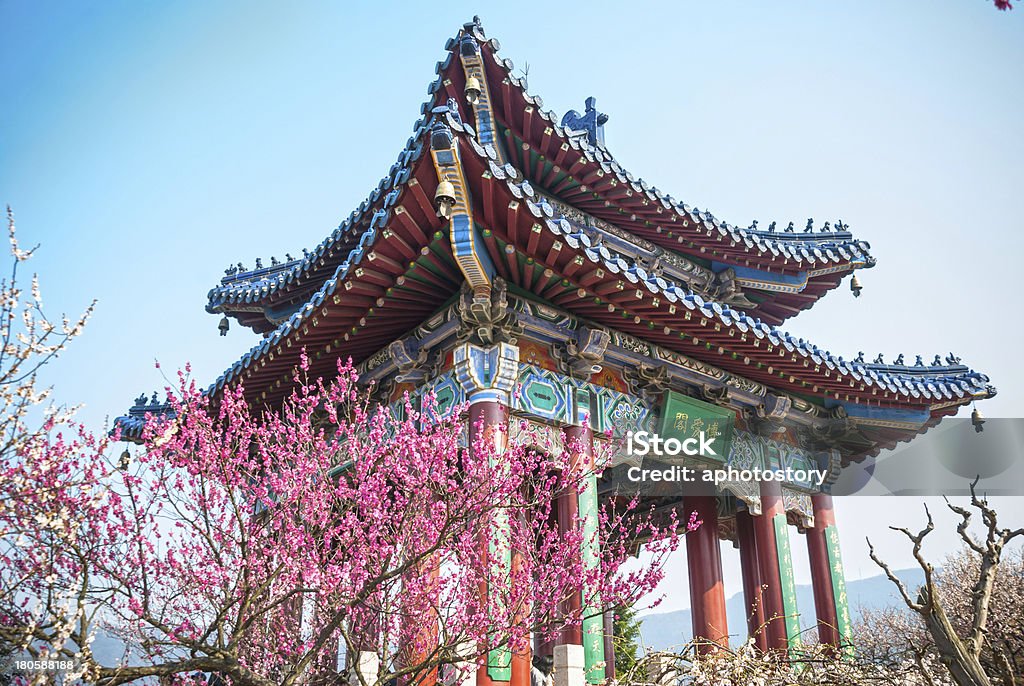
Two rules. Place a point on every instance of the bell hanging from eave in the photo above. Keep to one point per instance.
(977, 421)
(472, 90)
(444, 199)
(855, 286)
(224, 325)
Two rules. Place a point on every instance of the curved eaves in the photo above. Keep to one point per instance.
(259, 285)
(915, 384)
(807, 250)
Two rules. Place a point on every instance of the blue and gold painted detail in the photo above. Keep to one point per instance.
(467, 247)
(750, 451)
(560, 319)
(486, 373)
(543, 394)
(584, 409)
(798, 460)
(621, 413)
(562, 399)
(893, 417)
(776, 282)
(473, 67)
(448, 394)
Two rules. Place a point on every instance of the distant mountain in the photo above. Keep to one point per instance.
(668, 629)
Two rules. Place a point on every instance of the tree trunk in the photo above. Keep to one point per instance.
(962, 662)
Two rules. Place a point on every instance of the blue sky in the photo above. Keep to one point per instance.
(149, 145)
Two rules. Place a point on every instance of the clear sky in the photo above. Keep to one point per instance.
(148, 145)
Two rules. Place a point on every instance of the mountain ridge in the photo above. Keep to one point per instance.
(665, 630)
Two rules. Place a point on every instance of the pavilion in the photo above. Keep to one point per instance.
(507, 248)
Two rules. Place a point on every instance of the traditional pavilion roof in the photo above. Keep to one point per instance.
(780, 272)
(566, 223)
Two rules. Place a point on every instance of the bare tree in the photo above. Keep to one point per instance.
(967, 650)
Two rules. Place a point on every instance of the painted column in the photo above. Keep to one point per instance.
(487, 419)
(752, 607)
(704, 563)
(827, 579)
(581, 507)
(521, 661)
(487, 375)
(775, 566)
(579, 441)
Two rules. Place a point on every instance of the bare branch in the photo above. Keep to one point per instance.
(892, 577)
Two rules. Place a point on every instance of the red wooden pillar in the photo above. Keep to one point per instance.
(487, 375)
(487, 422)
(578, 508)
(704, 563)
(826, 573)
(768, 565)
(522, 660)
(421, 628)
(752, 604)
(579, 440)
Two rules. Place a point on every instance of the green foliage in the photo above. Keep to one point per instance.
(626, 639)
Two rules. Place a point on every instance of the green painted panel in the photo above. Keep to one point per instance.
(445, 400)
(683, 417)
(593, 621)
(789, 605)
(499, 664)
(543, 396)
(584, 409)
(835, 565)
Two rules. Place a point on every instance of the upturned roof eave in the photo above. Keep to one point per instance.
(822, 255)
(911, 385)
